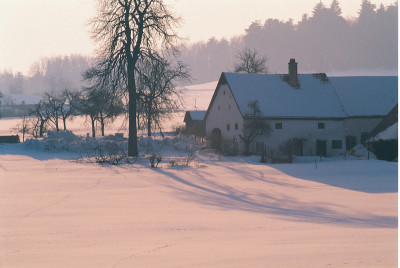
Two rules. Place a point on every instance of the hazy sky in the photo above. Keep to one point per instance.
(31, 29)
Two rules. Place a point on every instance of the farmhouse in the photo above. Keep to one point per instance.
(312, 113)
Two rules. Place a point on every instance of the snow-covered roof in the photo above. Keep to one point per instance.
(366, 95)
(391, 133)
(197, 115)
(315, 98)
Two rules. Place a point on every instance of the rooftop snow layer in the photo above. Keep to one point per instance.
(197, 115)
(314, 99)
(366, 95)
(391, 133)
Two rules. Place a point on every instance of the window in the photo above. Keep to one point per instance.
(228, 127)
(219, 108)
(236, 126)
(259, 147)
(278, 125)
(321, 125)
(336, 144)
(229, 107)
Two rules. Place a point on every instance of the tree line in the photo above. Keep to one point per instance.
(323, 41)
(101, 103)
(47, 74)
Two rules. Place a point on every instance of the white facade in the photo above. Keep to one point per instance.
(360, 126)
(312, 116)
(306, 131)
(224, 115)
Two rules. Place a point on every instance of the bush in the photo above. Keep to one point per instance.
(173, 163)
(108, 157)
(155, 160)
(181, 129)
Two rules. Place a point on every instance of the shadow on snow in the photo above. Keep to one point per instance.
(210, 192)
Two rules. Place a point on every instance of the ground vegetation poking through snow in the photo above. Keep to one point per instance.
(112, 148)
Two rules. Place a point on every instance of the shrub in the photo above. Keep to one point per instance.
(155, 160)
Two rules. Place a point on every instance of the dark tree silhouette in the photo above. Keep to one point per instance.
(102, 105)
(251, 62)
(42, 113)
(127, 30)
(70, 100)
(158, 94)
(254, 125)
(323, 41)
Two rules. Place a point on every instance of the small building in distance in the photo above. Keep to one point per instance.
(10, 139)
(195, 124)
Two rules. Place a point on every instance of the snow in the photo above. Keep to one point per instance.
(197, 97)
(314, 98)
(367, 95)
(338, 97)
(197, 115)
(57, 211)
(391, 133)
(360, 151)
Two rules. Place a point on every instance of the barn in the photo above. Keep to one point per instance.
(195, 124)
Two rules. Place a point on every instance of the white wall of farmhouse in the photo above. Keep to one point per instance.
(356, 126)
(224, 114)
(308, 132)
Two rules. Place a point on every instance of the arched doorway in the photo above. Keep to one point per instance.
(216, 140)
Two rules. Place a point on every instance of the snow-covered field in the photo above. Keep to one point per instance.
(216, 212)
(58, 209)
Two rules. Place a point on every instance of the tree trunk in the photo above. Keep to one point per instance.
(65, 123)
(41, 128)
(247, 147)
(149, 121)
(93, 127)
(56, 123)
(138, 120)
(132, 138)
(102, 124)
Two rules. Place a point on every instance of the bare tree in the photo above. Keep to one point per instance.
(101, 105)
(70, 105)
(42, 113)
(254, 125)
(22, 127)
(158, 94)
(127, 30)
(54, 106)
(251, 62)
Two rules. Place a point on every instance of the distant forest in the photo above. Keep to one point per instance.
(321, 42)
(324, 41)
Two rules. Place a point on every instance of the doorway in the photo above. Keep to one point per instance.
(216, 139)
(321, 147)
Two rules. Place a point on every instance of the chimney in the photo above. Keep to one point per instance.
(293, 73)
(292, 69)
